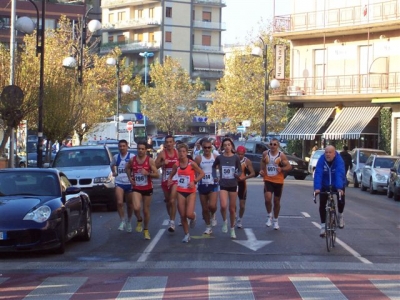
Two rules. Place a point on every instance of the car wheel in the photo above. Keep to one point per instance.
(389, 193)
(371, 187)
(300, 177)
(61, 248)
(356, 183)
(87, 230)
(363, 188)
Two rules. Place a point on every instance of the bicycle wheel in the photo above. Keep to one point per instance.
(328, 229)
(333, 227)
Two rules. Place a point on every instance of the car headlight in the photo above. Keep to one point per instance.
(103, 179)
(293, 163)
(39, 215)
(32, 162)
(380, 177)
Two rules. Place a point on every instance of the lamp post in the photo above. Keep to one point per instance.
(24, 24)
(146, 56)
(111, 61)
(257, 51)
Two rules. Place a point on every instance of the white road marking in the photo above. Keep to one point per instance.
(252, 243)
(232, 288)
(60, 286)
(151, 246)
(311, 288)
(165, 222)
(140, 288)
(391, 288)
(348, 248)
(306, 215)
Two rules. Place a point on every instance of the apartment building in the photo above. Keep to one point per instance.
(186, 30)
(345, 68)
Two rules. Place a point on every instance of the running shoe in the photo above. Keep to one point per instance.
(225, 226)
(180, 223)
(139, 227)
(146, 234)
(208, 230)
(322, 231)
(341, 221)
(269, 221)
(233, 234)
(276, 225)
(193, 222)
(128, 227)
(121, 226)
(213, 220)
(239, 223)
(186, 238)
(171, 227)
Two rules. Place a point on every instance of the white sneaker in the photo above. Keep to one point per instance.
(121, 226)
(341, 221)
(128, 227)
(180, 223)
(193, 222)
(225, 226)
(186, 238)
(208, 230)
(171, 227)
(322, 231)
(213, 220)
(269, 221)
(233, 234)
(276, 225)
(239, 223)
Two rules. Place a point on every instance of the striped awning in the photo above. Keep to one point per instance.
(306, 123)
(350, 123)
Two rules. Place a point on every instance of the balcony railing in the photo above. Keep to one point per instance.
(338, 17)
(130, 46)
(208, 74)
(345, 84)
(213, 2)
(131, 23)
(111, 3)
(209, 25)
(202, 48)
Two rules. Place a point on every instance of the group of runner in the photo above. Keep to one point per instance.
(210, 173)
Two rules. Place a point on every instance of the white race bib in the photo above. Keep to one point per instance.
(228, 172)
(272, 170)
(183, 181)
(140, 179)
(207, 179)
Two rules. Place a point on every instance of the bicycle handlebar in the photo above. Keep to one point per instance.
(326, 193)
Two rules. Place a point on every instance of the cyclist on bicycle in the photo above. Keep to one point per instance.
(330, 172)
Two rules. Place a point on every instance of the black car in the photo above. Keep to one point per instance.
(393, 189)
(31, 161)
(41, 210)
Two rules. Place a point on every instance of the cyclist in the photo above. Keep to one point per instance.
(330, 172)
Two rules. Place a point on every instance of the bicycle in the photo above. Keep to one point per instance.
(331, 218)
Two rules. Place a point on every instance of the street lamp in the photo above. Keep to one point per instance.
(25, 25)
(111, 61)
(146, 56)
(274, 84)
(71, 62)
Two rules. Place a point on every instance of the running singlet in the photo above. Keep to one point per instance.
(185, 176)
(206, 166)
(142, 182)
(167, 169)
(271, 172)
(120, 163)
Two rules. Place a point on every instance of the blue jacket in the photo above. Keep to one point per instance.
(326, 175)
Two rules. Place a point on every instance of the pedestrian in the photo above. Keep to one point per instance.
(330, 172)
(197, 148)
(140, 170)
(247, 172)
(273, 165)
(123, 186)
(166, 159)
(208, 189)
(348, 161)
(189, 174)
(150, 147)
(230, 170)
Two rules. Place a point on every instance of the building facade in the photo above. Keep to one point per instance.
(345, 68)
(186, 30)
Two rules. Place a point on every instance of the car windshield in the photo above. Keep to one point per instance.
(317, 154)
(364, 155)
(384, 162)
(81, 158)
(29, 184)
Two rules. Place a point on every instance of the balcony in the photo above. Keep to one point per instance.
(203, 74)
(131, 24)
(211, 2)
(121, 3)
(130, 47)
(202, 48)
(209, 25)
(362, 15)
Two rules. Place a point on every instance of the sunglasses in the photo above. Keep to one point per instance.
(207, 147)
(273, 144)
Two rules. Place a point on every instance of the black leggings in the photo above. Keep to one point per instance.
(323, 198)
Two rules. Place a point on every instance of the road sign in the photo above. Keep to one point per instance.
(129, 126)
(246, 123)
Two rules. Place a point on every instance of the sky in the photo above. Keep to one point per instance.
(244, 18)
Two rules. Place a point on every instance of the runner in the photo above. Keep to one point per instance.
(186, 171)
(206, 187)
(140, 170)
(122, 185)
(166, 159)
(247, 168)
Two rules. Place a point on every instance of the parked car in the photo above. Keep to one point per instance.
(255, 149)
(41, 210)
(359, 157)
(393, 189)
(88, 167)
(31, 161)
(114, 149)
(376, 171)
(314, 159)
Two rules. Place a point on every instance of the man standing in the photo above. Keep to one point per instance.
(273, 165)
(167, 159)
(122, 184)
(140, 170)
(348, 161)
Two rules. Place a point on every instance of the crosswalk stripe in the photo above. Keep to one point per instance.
(391, 288)
(141, 288)
(311, 288)
(2, 279)
(232, 288)
(63, 287)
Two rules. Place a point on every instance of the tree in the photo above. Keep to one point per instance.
(171, 103)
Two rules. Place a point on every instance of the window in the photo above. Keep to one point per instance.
(111, 18)
(140, 37)
(140, 13)
(206, 40)
(168, 36)
(206, 16)
(319, 68)
(168, 12)
(151, 13)
(111, 39)
(121, 16)
(121, 38)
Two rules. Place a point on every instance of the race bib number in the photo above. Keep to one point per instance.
(140, 179)
(228, 172)
(272, 171)
(166, 173)
(183, 181)
(121, 171)
(208, 179)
